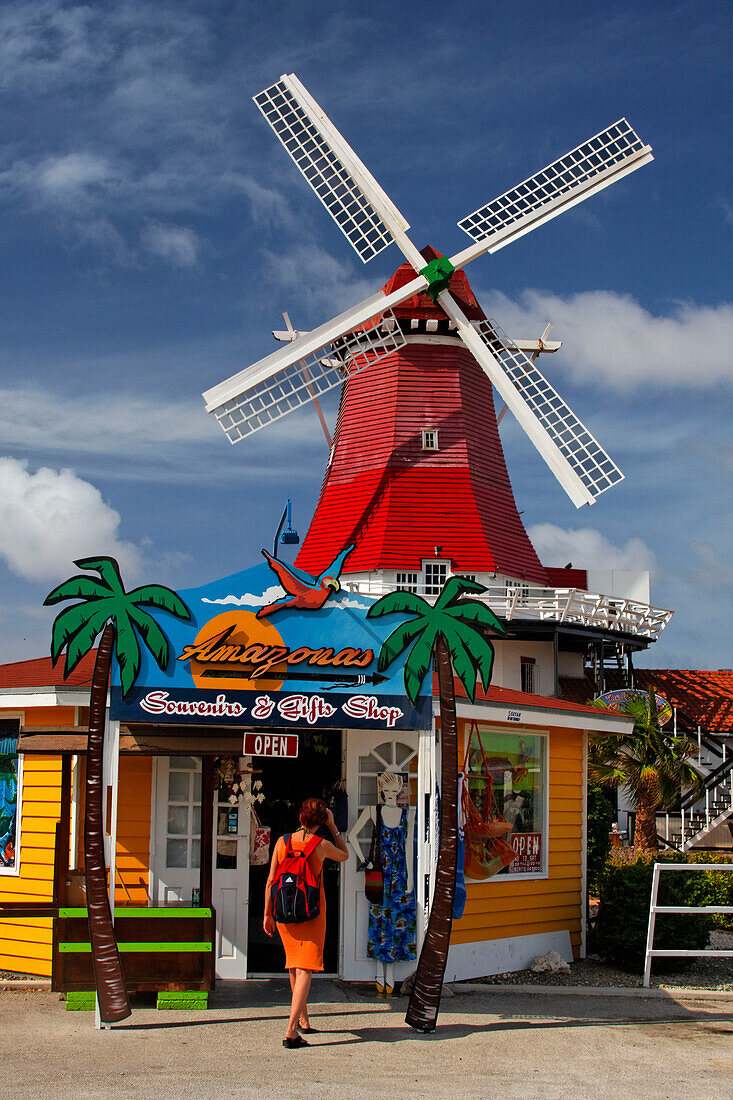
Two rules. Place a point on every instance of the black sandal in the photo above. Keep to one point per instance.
(308, 1030)
(293, 1044)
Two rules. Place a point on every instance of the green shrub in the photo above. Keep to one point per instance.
(719, 886)
(601, 816)
(623, 916)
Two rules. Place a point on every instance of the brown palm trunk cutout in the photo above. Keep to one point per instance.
(422, 1011)
(114, 1004)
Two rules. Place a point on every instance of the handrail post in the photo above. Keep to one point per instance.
(650, 929)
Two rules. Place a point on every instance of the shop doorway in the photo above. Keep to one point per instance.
(176, 857)
(368, 754)
(285, 785)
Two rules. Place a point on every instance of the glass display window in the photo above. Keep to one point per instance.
(504, 803)
(10, 788)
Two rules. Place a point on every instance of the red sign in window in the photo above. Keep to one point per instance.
(528, 847)
(271, 744)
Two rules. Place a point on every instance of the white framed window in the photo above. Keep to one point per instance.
(527, 674)
(11, 787)
(408, 582)
(506, 783)
(435, 574)
(430, 439)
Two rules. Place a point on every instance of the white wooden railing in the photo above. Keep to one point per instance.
(657, 952)
(519, 601)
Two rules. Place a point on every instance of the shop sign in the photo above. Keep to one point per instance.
(616, 701)
(528, 848)
(249, 657)
(271, 744)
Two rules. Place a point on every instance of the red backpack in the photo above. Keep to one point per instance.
(296, 895)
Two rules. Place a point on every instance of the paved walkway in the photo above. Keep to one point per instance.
(494, 1044)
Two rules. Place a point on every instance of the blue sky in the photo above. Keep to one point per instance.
(153, 230)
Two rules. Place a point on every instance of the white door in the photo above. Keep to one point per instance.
(367, 754)
(176, 857)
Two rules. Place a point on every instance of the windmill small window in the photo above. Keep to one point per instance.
(429, 439)
(435, 574)
(408, 582)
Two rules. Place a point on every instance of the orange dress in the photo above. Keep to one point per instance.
(303, 942)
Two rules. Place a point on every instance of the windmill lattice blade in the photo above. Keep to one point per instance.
(324, 368)
(593, 165)
(578, 447)
(330, 166)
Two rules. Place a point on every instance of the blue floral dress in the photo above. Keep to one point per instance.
(392, 925)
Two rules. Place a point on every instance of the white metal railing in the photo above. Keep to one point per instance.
(654, 953)
(534, 602)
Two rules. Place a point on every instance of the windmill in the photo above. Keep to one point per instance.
(355, 340)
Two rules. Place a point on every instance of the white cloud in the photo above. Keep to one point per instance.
(177, 245)
(587, 548)
(611, 340)
(318, 278)
(249, 599)
(40, 420)
(51, 517)
(709, 571)
(73, 172)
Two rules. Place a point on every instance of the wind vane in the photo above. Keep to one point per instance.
(318, 361)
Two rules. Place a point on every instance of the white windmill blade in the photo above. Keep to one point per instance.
(574, 455)
(597, 163)
(363, 212)
(309, 366)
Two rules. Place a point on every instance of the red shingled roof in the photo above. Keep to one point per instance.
(39, 672)
(703, 697)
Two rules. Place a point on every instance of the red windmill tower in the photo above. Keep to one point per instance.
(417, 468)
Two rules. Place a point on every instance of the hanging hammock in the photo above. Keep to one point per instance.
(486, 852)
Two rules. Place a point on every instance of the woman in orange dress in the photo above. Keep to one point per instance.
(303, 942)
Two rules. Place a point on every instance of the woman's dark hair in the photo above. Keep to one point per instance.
(313, 813)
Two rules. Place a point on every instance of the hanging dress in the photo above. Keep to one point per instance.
(392, 925)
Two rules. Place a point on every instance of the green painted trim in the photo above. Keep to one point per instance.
(184, 947)
(120, 914)
(191, 1000)
(80, 1001)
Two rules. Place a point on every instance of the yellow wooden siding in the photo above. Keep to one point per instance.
(133, 830)
(499, 908)
(25, 945)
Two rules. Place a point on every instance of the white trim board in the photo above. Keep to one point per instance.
(477, 960)
(523, 715)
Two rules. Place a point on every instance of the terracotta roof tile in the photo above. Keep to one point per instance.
(703, 697)
(39, 672)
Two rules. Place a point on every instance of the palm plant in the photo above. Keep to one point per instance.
(450, 632)
(108, 609)
(653, 765)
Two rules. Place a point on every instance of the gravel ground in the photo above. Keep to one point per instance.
(712, 973)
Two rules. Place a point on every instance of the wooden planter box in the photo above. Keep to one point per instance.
(162, 949)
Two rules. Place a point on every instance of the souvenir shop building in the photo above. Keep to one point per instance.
(259, 714)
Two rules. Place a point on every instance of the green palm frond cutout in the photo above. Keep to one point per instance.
(461, 623)
(104, 600)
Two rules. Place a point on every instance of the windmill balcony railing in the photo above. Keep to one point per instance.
(536, 603)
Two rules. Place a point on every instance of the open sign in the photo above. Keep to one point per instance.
(284, 745)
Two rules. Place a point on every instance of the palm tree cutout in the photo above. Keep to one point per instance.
(651, 763)
(451, 630)
(108, 609)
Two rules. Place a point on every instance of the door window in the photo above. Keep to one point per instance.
(183, 832)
